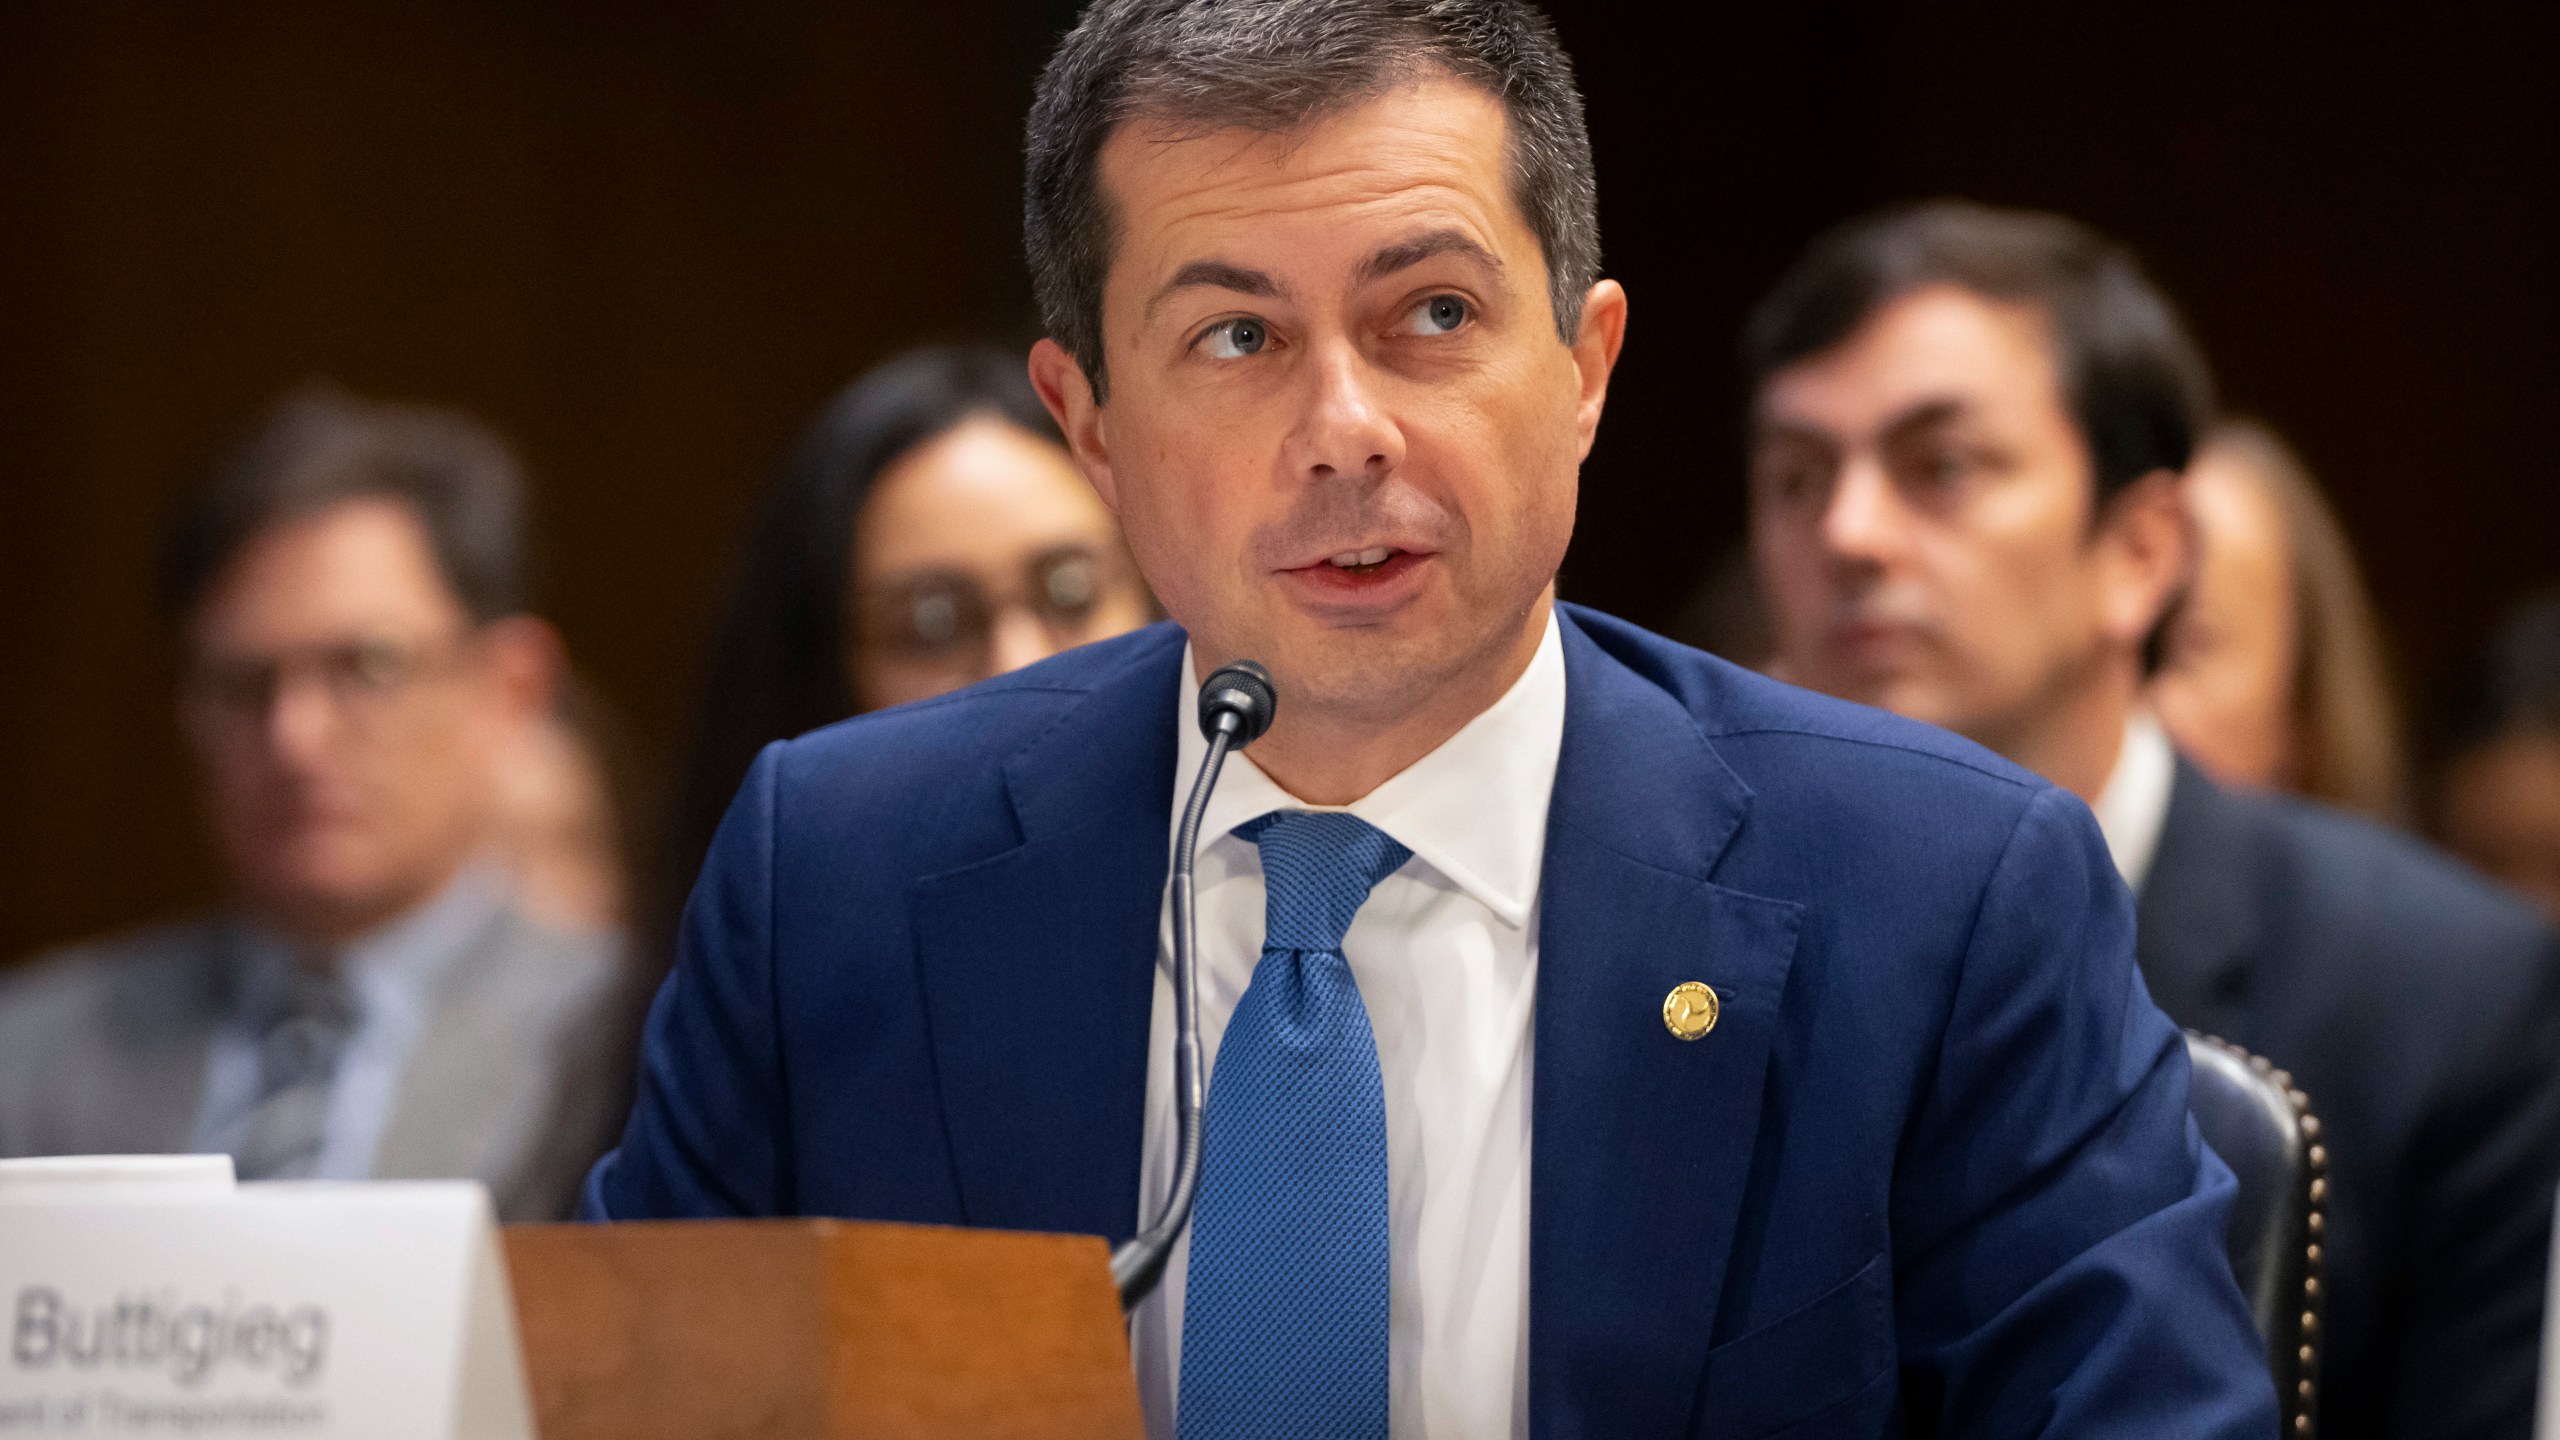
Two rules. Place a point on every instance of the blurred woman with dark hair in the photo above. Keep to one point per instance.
(928, 532)
(2274, 674)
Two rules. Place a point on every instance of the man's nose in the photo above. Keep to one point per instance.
(301, 718)
(1019, 639)
(1346, 429)
(1864, 523)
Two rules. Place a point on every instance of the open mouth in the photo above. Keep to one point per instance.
(1371, 575)
(1363, 562)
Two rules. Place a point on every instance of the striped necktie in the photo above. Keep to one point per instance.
(298, 1052)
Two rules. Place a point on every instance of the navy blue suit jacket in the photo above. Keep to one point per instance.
(1931, 1173)
(2420, 1007)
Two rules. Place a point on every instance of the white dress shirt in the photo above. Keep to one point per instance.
(2135, 803)
(1446, 956)
(393, 975)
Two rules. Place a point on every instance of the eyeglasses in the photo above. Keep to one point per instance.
(948, 618)
(364, 680)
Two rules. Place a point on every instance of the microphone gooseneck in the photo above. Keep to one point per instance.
(1236, 705)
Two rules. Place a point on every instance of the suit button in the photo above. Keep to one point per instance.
(1690, 1010)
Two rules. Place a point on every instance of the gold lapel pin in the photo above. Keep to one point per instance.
(1690, 1010)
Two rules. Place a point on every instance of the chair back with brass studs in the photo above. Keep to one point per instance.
(2261, 1124)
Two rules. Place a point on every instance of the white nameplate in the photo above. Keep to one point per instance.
(2546, 1421)
(193, 1308)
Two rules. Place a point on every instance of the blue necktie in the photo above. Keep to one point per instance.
(1284, 1318)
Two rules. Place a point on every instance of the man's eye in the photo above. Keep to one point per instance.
(1235, 339)
(1439, 315)
(1788, 478)
(1938, 469)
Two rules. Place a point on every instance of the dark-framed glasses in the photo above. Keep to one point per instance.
(948, 617)
(364, 679)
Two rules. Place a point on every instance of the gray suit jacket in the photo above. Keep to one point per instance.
(103, 1051)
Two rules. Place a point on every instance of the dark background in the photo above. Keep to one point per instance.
(646, 240)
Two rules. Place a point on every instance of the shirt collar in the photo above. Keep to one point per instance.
(398, 964)
(2135, 804)
(1475, 809)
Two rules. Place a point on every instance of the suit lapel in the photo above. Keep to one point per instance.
(1641, 1142)
(463, 1073)
(482, 1091)
(1038, 966)
(2197, 917)
(143, 1086)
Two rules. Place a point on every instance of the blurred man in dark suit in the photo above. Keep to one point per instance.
(347, 594)
(1969, 430)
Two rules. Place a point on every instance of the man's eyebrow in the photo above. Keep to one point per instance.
(1214, 275)
(1924, 415)
(1911, 419)
(1766, 428)
(1426, 246)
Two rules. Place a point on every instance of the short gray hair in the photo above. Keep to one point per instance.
(1272, 66)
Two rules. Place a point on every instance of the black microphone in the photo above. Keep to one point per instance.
(1236, 705)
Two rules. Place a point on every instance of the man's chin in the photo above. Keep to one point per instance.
(1906, 694)
(332, 897)
(1914, 699)
(1352, 671)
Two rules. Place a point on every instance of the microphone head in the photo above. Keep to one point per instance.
(1242, 691)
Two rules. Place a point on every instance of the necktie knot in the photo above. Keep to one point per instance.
(305, 1025)
(1318, 868)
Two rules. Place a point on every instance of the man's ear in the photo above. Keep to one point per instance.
(527, 661)
(1069, 396)
(1595, 354)
(2150, 544)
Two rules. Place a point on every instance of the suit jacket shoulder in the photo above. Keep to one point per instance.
(1763, 728)
(102, 1044)
(938, 783)
(899, 779)
(1865, 789)
(2416, 1003)
(2398, 893)
(508, 1084)
(2258, 899)
(103, 1048)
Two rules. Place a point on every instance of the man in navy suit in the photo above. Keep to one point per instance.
(1971, 425)
(1605, 1041)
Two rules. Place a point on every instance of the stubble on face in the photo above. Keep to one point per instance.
(1921, 518)
(1355, 426)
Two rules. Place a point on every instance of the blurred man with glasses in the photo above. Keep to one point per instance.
(346, 592)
